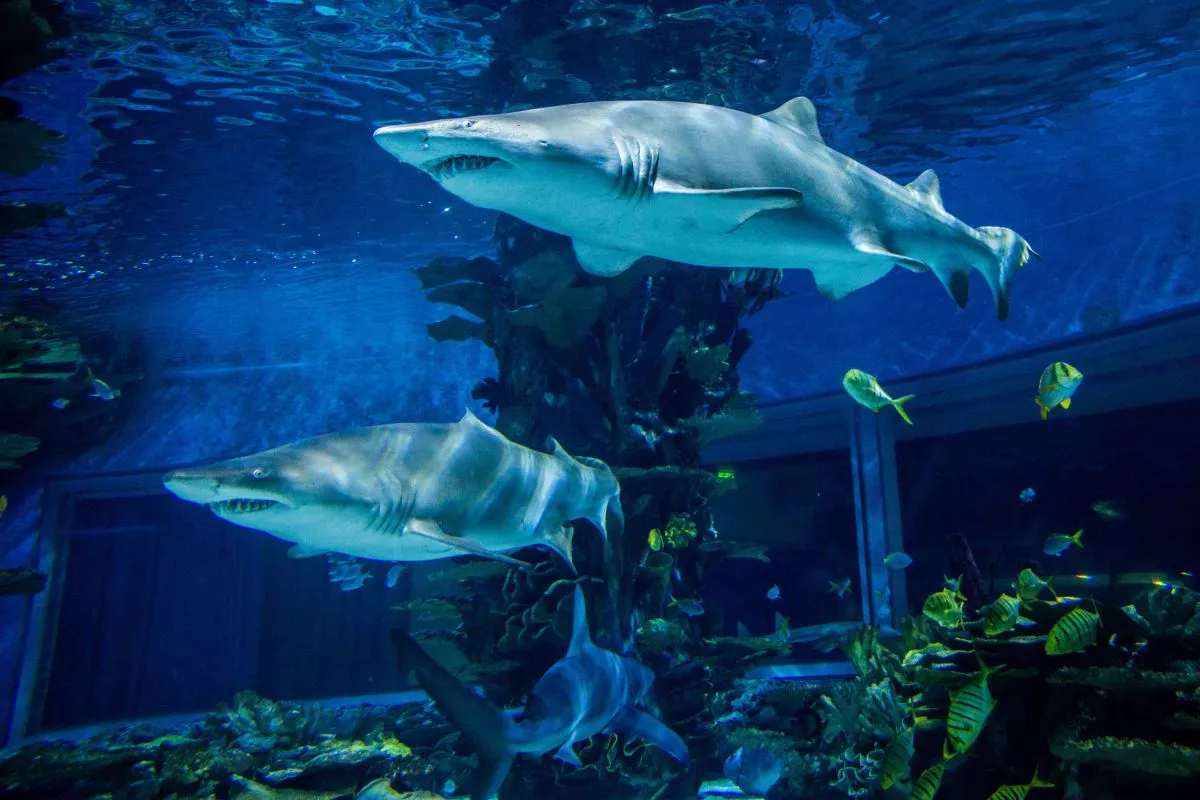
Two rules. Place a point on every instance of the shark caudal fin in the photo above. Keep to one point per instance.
(1011, 252)
(486, 726)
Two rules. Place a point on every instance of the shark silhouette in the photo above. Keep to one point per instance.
(588, 691)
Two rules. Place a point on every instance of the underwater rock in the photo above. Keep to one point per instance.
(21, 581)
(26, 146)
(15, 446)
(1166, 759)
(1167, 612)
(1126, 680)
(27, 30)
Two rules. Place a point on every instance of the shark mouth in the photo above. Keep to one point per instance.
(456, 165)
(241, 506)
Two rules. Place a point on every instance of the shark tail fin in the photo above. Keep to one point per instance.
(486, 726)
(1011, 252)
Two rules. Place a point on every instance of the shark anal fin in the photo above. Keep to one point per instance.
(430, 530)
(566, 753)
(640, 724)
(603, 261)
(304, 551)
(581, 638)
(799, 114)
(726, 210)
(558, 538)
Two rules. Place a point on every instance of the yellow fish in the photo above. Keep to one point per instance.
(1010, 792)
(1030, 586)
(867, 392)
(655, 539)
(1058, 382)
(944, 608)
(3, 504)
(1003, 615)
(894, 767)
(970, 708)
(840, 588)
(1073, 633)
(927, 783)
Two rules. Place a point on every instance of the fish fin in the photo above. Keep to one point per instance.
(304, 551)
(742, 631)
(603, 261)
(898, 404)
(799, 114)
(955, 276)
(867, 242)
(636, 722)
(726, 210)
(581, 640)
(430, 530)
(834, 283)
(567, 753)
(928, 187)
(558, 538)
(1045, 411)
(1024, 622)
(1066, 402)
(1075, 538)
(1010, 252)
(484, 725)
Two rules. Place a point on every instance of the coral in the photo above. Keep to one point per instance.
(1166, 759)
(1167, 611)
(858, 773)
(680, 531)
(14, 446)
(857, 709)
(872, 661)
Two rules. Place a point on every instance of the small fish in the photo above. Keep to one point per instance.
(896, 759)
(692, 606)
(100, 389)
(754, 771)
(867, 392)
(970, 708)
(1057, 543)
(1009, 792)
(840, 588)
(1027, 495)
(1058, 382)
(927, 783)
(1029, 586)
(449, 787)
(953, 584)
(1107, 510)
(944, 608)
(897, 560)
(655, 539)
(773, 593)
(3, 504)
(350, 584)
(1003, 615)
(1073, 633)
(60, 403)
(393, 575)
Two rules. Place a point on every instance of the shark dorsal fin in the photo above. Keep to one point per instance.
(580, 638)
(799, 114)
(558, 451)
(927, 186)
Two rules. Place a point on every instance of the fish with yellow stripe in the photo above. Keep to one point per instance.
(928, 782)
(1058, 382)
(970, 708)
(1020, 791)
(1030, 586)
(944, 608)
(867, 392)
(894, 767)
(1074, 633)
(1003, 615)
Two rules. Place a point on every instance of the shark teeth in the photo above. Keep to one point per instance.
(449, 167)
(241, 506)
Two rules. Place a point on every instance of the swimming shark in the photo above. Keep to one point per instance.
(590, 690)
(409, 492)
(707, 186)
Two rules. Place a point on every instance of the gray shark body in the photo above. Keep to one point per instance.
(589, 691)
(408, 492)
(708, 186)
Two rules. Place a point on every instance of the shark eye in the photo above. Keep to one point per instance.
(258, 472)
(469, 124)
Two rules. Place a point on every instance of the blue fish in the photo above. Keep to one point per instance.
(773, 593)
(588, 691)
(754, 771)
(1027, 495)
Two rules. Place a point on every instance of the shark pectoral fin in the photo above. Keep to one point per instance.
(567, 753)
(304, 551)
(640, 724)
(726, 210)
(603, 261)
(430, 530)
(558, 538)
(835, 281)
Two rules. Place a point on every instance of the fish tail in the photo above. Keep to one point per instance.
(486, 726)
(1011, 252)
(1038, 783)
(1075, 539)
(898, 404)
(1042, 407)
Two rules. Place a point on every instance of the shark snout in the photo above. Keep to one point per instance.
(193, 485)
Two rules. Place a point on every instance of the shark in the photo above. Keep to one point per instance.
(409, 492)
(707, 186)
(589, 691)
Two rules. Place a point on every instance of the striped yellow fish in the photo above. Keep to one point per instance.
(655, 539)
(944, 608)
(3, 504)
(1002, 615)
(896, 758)
(1009, 792)
(927, 783)
(1073, 633)
(1030, 586)
(970, 707)
(866, 391)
